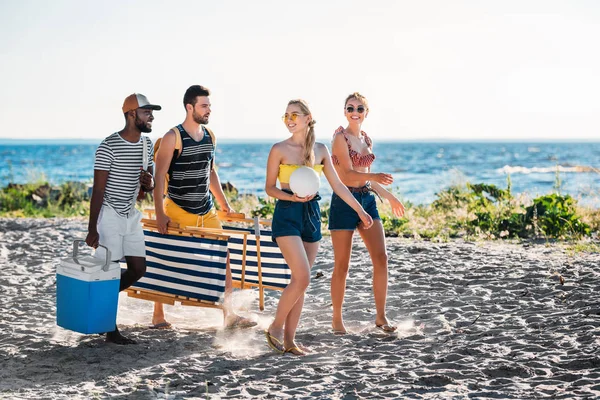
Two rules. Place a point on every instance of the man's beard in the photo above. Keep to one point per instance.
(200, 119)
(142, 126)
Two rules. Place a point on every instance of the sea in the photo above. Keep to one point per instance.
(420, 169)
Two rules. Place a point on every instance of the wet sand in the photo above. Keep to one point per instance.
(476, 320)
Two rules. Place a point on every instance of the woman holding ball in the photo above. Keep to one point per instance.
(297, 220)
(352, 155)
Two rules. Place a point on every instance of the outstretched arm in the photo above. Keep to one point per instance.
(341, 190)
(397, 206)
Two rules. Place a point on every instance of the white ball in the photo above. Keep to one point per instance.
(304, 181)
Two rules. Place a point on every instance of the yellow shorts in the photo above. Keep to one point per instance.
(184, 218)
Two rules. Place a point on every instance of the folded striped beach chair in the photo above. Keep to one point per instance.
(183, 266)
(255, 260)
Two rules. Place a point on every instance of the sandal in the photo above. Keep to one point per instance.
(295, 350)
(274, 343)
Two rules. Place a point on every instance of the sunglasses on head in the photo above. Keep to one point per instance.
(359, 109)
(292, 117)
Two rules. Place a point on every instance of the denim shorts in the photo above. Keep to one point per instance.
(343, 218)
(292, 218)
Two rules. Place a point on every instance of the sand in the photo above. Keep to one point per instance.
(477, 320)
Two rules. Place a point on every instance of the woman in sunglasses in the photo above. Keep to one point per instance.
(297, 220)
(352, 156)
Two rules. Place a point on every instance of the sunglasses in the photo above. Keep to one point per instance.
(359, 109)
(292, 117)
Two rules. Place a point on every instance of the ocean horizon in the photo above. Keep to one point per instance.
(327, 139)
(420, 168)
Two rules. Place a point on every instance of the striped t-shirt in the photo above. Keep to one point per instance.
(189, 174)
(123, 161)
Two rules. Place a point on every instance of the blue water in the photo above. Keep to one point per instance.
(419, 169)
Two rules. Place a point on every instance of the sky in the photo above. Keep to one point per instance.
(431, 70)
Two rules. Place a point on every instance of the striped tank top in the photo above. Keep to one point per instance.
(189, 174)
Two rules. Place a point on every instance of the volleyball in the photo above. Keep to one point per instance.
(304, 182)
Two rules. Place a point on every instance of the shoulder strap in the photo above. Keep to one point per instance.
(214, 141)
(368, 140)
(145, 153)
(341, 130)
(178, 148)
(347, 141)
(212, 135)
(178, 144)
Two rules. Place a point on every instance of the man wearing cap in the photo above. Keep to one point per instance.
(119, 176)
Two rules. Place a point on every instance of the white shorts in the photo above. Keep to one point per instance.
(122, 236)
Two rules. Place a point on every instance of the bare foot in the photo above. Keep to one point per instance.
(159, 321)
(161, 325)
(239, 322)
(385, 325)
(338, 328)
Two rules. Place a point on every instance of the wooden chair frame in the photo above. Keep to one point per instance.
(212, 232)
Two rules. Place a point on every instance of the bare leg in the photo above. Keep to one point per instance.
(158, 315)
(374, 239)
(293, 318)
(295, 255)
(230, 319)
(342, 248)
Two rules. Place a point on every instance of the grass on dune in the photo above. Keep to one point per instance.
(463, 210)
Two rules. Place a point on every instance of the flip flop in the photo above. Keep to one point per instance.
(387, 328)
(241, 323)
(161, 325)
(274, 343)
(295, 351)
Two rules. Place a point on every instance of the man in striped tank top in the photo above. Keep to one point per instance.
(118, 178)
(192, 179)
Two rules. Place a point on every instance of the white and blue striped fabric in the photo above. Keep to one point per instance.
(185, 266)
(275, 271)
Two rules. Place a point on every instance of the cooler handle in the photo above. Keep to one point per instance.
(76, 253)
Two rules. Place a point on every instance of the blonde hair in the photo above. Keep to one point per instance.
(309, 142)
(359, 97)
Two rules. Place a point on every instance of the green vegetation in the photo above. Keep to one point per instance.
(42, 200)
(473, 211)
(470, 211)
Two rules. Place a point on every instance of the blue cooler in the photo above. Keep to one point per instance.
(87, 292)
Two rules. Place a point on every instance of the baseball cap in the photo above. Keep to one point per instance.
(137, 100)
